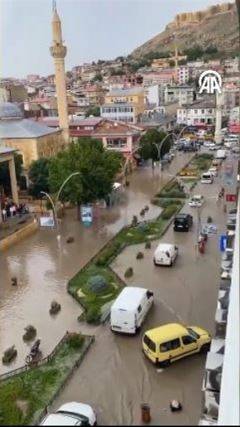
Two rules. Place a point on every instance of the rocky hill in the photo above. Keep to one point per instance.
(216, 26)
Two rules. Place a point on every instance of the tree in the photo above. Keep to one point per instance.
(93, 111)
(5, 176)
(98, 77)
(39, 175)
(148, 142)
(97, 169)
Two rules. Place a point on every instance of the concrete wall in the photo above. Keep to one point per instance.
(16, 237)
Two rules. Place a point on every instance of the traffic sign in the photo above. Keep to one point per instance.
(231, 197)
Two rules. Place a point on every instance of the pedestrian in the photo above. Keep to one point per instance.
(4, 214)
(11, 210)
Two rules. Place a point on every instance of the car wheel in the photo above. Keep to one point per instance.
(164, 364)
(205, 348)
(154, 262)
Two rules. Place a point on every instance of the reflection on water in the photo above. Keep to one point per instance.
(43, 264)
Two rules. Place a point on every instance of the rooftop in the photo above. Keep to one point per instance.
(126, 92)
(24, 128)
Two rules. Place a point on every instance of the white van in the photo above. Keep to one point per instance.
(221, 154)
(130, 309)
(165, 254)
(207, 178)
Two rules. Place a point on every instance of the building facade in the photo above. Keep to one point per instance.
(197, 113)
(125, 105)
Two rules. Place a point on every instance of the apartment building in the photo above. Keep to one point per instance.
(197, 113)
(125, 105)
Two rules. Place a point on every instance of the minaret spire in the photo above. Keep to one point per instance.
(58, 51)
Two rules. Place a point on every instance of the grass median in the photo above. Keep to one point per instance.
(24, 396)
(96, 300)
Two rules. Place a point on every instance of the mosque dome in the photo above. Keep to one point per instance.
(9, 110)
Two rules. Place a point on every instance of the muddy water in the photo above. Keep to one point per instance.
(115, 378)
(43, 265)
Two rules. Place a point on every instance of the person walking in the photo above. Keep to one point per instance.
(4, 214)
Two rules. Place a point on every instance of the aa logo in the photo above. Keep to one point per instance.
(210, 81)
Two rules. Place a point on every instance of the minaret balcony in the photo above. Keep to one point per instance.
(58, 51)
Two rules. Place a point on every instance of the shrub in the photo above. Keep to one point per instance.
(30, 333)
(169, 211)
(105, 257)
(75, 341)
(55, 307)
(9, 355)
(142, 212)
(148, 245)
(142, 227)
(134, 220)
(140, 255)
(128, 272)
(146, 208)
(97, 284)
(93, 315)
(164, 203)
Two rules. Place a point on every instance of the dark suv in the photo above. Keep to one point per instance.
(183, 222)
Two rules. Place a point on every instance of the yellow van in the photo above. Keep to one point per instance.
(167, 343)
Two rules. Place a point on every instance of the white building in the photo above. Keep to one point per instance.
(152, 95)
(119, 112)
(183, 74)
(199, 112)
(231, 65)
(183, 94)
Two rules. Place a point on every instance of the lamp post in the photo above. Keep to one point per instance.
(54, 205)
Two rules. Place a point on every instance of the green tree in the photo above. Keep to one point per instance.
(5, 176)
(39, 175)
(148, 142)
(97, 169)
(93, 111)
(98, 77)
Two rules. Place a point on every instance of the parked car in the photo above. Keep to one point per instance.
(221, 154)
(227, 259)
(232, 214)
(168, 343)
(213, 170)
(165, 254)
(71, 414)
(206, 178)
(208, 144)
(231, 224)
(236, 149)
(196, 201)
(183, 222)
(130, 309)
(213, 147)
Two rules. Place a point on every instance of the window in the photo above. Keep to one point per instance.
(149, 343)
(195, 111)
(203, 111)
(170, 345)
(193, 333)
(187, 339)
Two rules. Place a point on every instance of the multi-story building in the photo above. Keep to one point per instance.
(165, 76)
(183, 94)
(125, 105)
(152, 95)
(200, 112)
(183, 74)
(231, 65)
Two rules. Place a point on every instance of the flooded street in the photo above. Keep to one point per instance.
(43, 265)
(116, 378)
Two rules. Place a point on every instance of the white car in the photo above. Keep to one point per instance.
(213, 147)
(208, 144)
(196, 201)
(213, 171)
(71, 414)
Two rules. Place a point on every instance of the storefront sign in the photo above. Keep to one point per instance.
(231, 197)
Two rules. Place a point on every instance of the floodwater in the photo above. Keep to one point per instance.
(43, 265)
(115, 377)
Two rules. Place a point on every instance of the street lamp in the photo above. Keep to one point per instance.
(54, 205)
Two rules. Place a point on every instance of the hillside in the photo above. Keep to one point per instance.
(216, 26)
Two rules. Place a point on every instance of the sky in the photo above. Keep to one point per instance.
(92, 30)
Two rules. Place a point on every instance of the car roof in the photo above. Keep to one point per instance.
(182, 215)
(60, 420)
(197, 196)
(129, 298)
(165, 246)
(166, 332)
